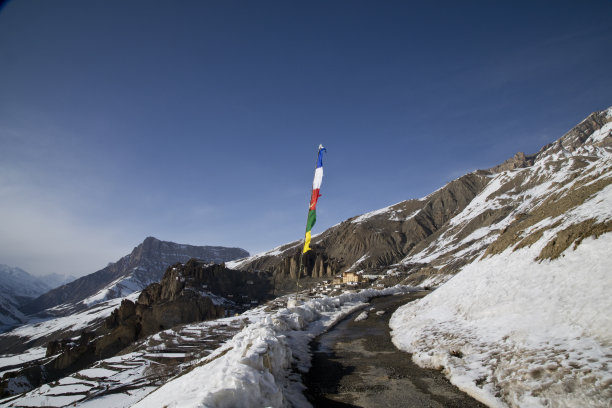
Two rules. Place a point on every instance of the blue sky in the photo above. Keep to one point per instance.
(198, 121)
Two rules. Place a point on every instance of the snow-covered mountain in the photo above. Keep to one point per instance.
(17, 287)
(144, 265)
(518, 254)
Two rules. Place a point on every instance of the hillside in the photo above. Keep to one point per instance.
(524, 323)
(144, 265)
(432, 238)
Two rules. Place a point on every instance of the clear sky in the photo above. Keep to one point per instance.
(198, 121)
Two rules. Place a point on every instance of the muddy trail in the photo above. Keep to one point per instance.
(356, 365)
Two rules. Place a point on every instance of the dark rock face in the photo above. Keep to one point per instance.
(134, 321)
(70, 351)
(145, 265)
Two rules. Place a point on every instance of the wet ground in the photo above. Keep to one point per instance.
(356, 365)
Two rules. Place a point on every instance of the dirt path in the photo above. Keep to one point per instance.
(356, 365)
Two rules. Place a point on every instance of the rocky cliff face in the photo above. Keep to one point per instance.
(432, 238)
(145, 265)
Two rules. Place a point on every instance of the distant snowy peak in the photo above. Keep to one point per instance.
(16, 288)
(146, 264)
(18, 282)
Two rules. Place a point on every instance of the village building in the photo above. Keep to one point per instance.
(350, 277)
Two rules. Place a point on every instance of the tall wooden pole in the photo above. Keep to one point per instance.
(299, 272)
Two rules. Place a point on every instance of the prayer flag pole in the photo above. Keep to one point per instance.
(312, 211)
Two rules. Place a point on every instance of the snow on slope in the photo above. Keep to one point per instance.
(123, 380)
(72, 323)
(16, 285)
(514, 193)
(512, 331)
(18, 282)
(10, 315)
(255, 367)
(139, 279)
(237, 264)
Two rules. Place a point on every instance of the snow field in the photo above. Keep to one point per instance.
(256, 367)
(513, 332)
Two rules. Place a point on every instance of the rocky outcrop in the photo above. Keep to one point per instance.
(145, 265)
(519, 160)
(184, 295)
(133, 321)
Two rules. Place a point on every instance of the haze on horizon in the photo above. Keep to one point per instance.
(199, 122)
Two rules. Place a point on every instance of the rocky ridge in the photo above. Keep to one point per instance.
(144, 265)
(430, 239)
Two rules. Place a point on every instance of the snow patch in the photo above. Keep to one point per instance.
(371, 214)
(602, 133)
(273, 252)
(362, 316)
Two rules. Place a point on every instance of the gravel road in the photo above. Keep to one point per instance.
(356, 365)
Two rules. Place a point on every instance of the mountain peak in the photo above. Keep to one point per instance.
(143, 266)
